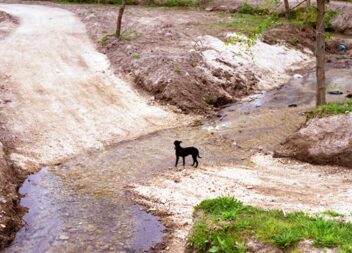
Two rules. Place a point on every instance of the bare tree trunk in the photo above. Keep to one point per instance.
(119, 19)
(287, 8)
(320, 53)
(308, 4)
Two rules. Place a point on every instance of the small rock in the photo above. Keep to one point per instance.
(335, 92)
(297, 76)
(2, 225)
(177, 180)
(292, 105)
(349, 95)
(249, 187)
(63, 237)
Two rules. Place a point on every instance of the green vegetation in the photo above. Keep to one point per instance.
(304, 17)
(331, 213)
(136, 56)
(207, 99)
(104, 40)
(253, 21)
(331, 109)
(173, 3)
(178, 70)
(225, 224)
(253, 25)
(129, 35)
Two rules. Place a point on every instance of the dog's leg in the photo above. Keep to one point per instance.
(183, 158)
(176, 161)
(196, 164)
(194, 156)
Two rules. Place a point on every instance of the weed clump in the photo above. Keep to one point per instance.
(331, 109)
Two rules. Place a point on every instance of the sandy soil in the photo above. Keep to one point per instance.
(269, 183)
(59, 96)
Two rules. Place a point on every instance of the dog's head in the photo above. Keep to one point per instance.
(177, 143)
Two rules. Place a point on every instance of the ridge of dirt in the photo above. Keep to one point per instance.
(162, 53)
(11, 212)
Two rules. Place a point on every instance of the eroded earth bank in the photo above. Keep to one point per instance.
(100, 136)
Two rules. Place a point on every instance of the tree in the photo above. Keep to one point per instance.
(287, 8)
(320, 53)
(119, 19)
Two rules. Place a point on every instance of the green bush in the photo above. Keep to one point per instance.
(246, 8)
(305, 17)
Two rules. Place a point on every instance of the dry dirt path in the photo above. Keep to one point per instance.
(58, 95)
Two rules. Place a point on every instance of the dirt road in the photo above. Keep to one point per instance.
(58, 94)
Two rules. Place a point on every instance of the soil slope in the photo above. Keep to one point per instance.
(59, 96)
(180, 58)
(323, 141)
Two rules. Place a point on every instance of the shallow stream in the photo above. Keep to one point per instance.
(83, 206)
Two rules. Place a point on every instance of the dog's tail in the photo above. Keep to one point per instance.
(199, 156)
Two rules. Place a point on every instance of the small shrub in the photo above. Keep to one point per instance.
(104, 40)
(294, 40)
(178, 70)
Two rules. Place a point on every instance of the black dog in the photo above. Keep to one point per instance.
(183, 152)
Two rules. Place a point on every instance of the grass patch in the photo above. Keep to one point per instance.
(178, 70)
(331, 109)
(174, 3)
(253, 25)
(129, 35)
(253, 21)
(224, 225)
(331, 213)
